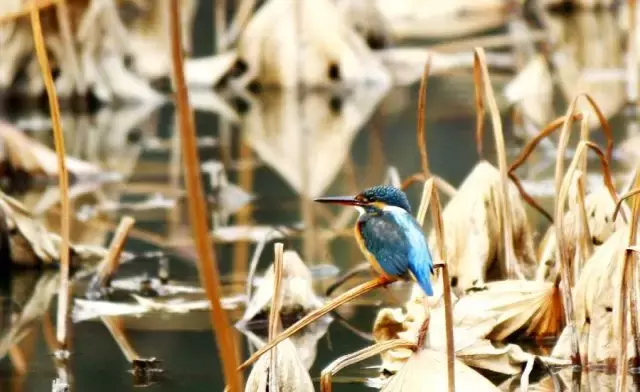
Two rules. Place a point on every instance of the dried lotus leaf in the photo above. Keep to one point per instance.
(427, 371)
(296, 288)
(290, 375)
(333, 50)
(473, 230)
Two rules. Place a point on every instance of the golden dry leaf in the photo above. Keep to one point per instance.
(427, 371)
(290, 375)
(472, 223)
(533, 308)
(334, 53)
(296, 287)
(470, 331)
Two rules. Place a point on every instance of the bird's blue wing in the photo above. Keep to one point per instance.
(420, 260)
(398, 245)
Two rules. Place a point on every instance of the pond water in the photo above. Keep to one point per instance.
(280, 152)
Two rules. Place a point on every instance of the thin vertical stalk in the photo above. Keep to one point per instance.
(207, 266)
(422, 104)
(220, 23)
(627, 294)
(632, 55)
(436, 218)
(63, 180)
(62, 15)
(274, 314)
(482, 81)
(110, 264)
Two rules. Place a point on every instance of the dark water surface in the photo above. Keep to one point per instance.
(277, 170)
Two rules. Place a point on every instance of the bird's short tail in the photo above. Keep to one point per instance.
(422, 275)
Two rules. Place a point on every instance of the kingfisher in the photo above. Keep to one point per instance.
(389, 236)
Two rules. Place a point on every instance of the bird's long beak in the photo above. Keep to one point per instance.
(344, 200)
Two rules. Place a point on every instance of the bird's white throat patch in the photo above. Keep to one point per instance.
(394, 209)
(360, 210)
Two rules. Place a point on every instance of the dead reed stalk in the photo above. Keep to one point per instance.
(360, 355)
(628, 294)
(433, 201)
(274, 314)
(632, 55)
(483, 86)
(561, 242)
(11, 17)
(114, 325)
(110, 264)
(316, 314)
(63, 180)
(207, 266)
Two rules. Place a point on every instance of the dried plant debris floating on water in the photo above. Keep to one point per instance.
(298, 297)
(290, 374)
(102, 35)
(474, 233)
(595, 298)
(31, 245)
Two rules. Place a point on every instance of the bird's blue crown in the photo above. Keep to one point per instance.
(386, 194)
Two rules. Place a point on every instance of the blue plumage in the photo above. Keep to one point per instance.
(389, 236)
(395, 242)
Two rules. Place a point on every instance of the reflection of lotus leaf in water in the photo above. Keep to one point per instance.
(306, 142)
(31, 245)
(34, 305)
